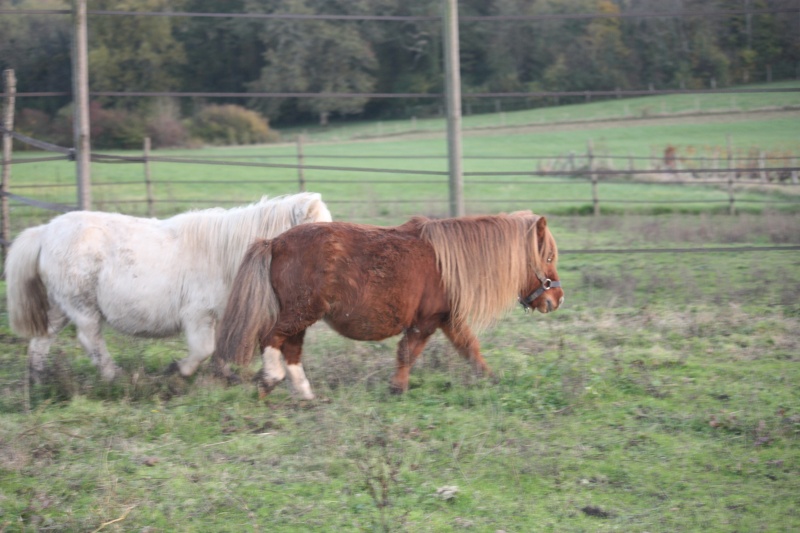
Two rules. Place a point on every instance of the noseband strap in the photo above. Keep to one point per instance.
(546, 285)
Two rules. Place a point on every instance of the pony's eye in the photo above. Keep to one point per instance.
(550, 259)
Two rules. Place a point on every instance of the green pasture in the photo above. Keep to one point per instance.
(365, 189)
(604, 109)
(660, 398)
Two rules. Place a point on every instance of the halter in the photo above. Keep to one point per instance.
(546, 285)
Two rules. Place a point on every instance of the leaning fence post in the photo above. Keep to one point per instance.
(593, 176)
(300, 177)
(148, 183)
(10, 84)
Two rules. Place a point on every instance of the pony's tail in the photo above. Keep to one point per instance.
(251, 311)
(25, 291)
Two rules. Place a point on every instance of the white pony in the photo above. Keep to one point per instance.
(141, 276)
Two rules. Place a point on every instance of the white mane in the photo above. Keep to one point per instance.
(222, 236)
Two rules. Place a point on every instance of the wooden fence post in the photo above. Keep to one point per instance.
(300, 176)
(794, 172)
(10, 84)
(453, 101)
(761, 172)
(730, 155)
(593, 176)
(80, 92)
(148, 183)
(731, 197)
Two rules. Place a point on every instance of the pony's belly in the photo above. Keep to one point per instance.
(363, 328)
(139, 325)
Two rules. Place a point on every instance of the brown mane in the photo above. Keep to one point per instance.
(484, 261)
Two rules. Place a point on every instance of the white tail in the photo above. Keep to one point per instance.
(25, 291)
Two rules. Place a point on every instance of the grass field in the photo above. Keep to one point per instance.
(376, 196)
(661, 397)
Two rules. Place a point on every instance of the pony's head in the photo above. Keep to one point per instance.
(309, 207)
(543, 289)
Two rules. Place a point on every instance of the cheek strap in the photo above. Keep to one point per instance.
(546, 285)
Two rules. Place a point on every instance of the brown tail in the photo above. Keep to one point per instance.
(252, 308)
(25, 291)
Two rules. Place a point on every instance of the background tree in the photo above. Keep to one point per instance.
(317, 56)
(38, 49)
(133, 53)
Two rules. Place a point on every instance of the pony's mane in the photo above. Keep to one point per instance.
(484, 261)
(221, 236)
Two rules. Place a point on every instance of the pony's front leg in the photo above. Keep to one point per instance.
(466, 343)
(200, 340)
(292, 352)
(408, 350)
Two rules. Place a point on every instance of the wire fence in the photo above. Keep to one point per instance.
(733, 175)
(680, 13)
(729, 174)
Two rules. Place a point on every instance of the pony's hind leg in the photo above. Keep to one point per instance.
(39, 347)
(90, 335)
(272, 372)
(466, 343)
(292, 352)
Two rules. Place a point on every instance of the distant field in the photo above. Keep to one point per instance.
(641, 107)
(382, 197)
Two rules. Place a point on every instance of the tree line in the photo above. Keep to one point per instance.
(198, 54)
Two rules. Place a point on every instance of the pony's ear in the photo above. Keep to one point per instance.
(541, 227)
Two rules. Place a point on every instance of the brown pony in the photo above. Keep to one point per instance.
(371, 282)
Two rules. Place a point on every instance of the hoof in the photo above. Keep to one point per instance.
(172, 369)
(110, 372)
(264, 389)
(397, 389)
(37, 377)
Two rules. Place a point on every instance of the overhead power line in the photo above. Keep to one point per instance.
(531, 94)
(419, 18)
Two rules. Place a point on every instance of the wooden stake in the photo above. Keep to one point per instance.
(593, 176)
(301, 179)
(148, 184)
(10, 84)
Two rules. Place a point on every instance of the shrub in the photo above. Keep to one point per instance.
(40, 126)
(166, 132)
(231, 124)
(115, 128)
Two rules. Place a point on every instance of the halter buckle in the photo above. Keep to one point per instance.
(546, 285)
